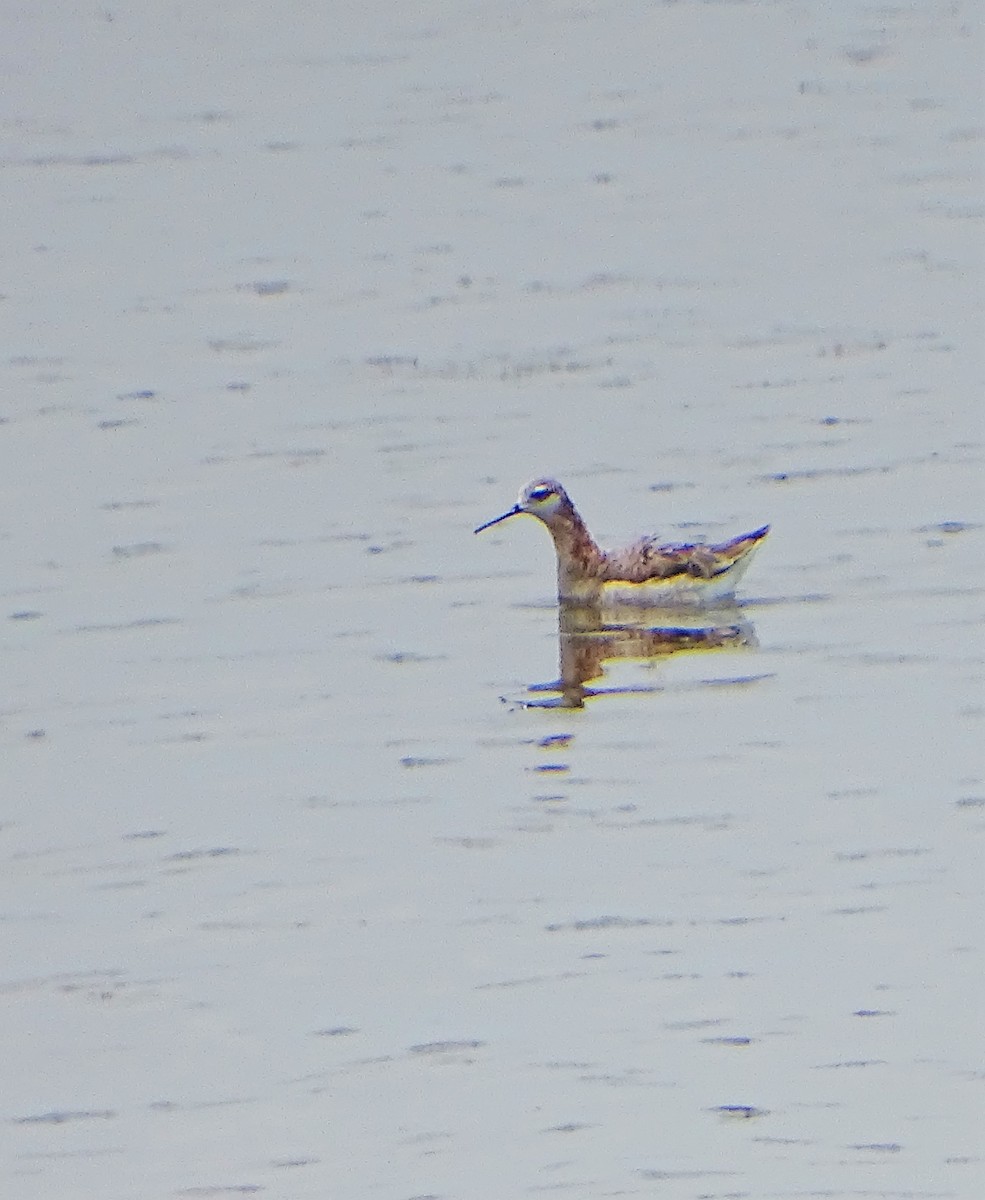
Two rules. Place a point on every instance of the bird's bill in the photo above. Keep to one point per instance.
(514, 511)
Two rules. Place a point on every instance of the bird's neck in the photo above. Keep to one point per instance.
(579, 559)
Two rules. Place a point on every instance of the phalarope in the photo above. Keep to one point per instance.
(645, 573)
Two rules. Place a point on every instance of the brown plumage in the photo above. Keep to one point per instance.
(647, 572)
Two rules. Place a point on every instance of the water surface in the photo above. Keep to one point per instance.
(301, 898)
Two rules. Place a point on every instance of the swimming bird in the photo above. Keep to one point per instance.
(645, 573)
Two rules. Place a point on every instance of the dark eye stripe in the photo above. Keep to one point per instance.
(541, 493)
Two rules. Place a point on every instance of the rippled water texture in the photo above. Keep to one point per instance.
(310, 888)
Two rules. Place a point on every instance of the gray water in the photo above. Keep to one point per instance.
(300, 897)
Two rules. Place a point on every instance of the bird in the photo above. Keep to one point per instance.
(647, 572)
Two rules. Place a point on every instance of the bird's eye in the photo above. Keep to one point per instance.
(541, 493)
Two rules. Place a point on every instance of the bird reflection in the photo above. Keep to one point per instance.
(586, 642)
